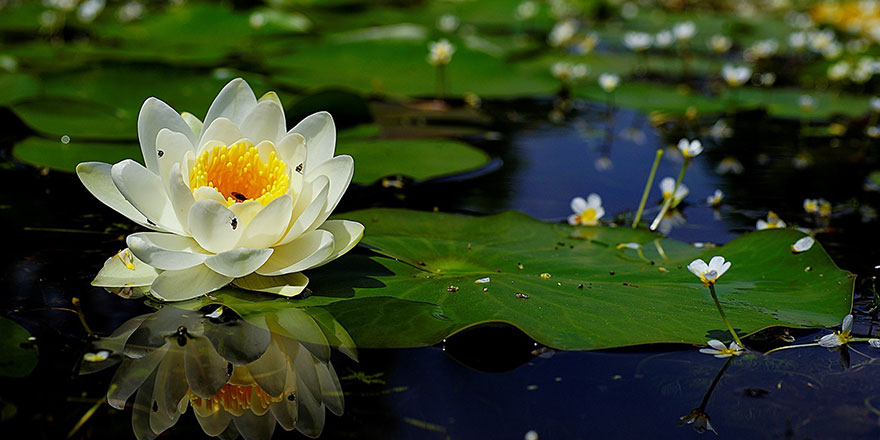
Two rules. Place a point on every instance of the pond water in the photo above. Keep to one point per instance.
(495, 382)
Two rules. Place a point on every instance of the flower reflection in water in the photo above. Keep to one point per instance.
(240, 377)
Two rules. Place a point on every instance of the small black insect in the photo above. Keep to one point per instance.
(155, 406)
(291, 397)
(181, 335)
(234, 223)
(160, 153)
(299, 168)
(239, 196)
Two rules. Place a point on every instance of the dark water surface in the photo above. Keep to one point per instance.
(495, 382)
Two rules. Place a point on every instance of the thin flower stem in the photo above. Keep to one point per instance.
(723, 316)
(648, 185)
(668, 201)
(792, 346)
(441, 82)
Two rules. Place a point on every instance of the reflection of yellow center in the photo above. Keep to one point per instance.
(234, 399)
(239, 174)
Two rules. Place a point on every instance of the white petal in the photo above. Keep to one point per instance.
(339, 170)
(292, 149)
(208, 193)
(238, 262)
(166, 251)
(154, 116)
(594, 201)
(829, 341)
(246, 211)
(578, 205)
(221, 130)
(115, 273)
(572, 219)
(193, 122)
(234, 102)
(708, 351)
(600, 211)
(265, 149)
(319, 130)
(724, 268)
(698, 267)
(269, 225)
(667, 184)
(180, 285)
(346, 235)
(264, 123)
(214, 226)
(180, 195)
(715, 263)
(847, 323)
(95, 176)
(143, 189)
(761, 224)
(803, 245)
(173, 146)
(311, 249)
(285, 285)
(874, 342)
(716, 344)
(309, 206)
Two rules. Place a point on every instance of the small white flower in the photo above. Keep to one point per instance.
(818, 206)
(729, 165)
(667, 186)
(586, 212)
(716, 198)
(99, 356)
(664, 39)
(447, 23)
(803, 245)
(806, 103)
(767, 79)
(720, 130)
(736, 76)
(690, 149)
(526, 10)
(684, 31)
(608, 81)
(839, 337)
(773, 221)
(629, 246)
(797, 40)
(720, 351)
(709, 273)
(562, 33)
(637, 41)
(875, 104)
(485, 280)
(761, 50)
(440, 52)
(720, 43)
(873, 131)
(89, 10)
(874, 342)
(838, 71)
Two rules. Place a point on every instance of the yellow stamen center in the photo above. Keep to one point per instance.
(588, 217)
(238, 173)
(729, 351)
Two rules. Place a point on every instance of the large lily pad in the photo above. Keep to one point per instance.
(19, 354)
(56, 155)
(625, 299)
(416, 158)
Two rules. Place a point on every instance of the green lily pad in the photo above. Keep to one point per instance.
(594, 295)
(58, 156)
(419, 159)
(15, 86)
(19, 354)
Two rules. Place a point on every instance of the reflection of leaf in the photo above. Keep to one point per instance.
(624, 300)
(388, 322)
(417, 158)
(19, 354)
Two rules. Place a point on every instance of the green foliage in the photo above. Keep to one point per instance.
(19, 354)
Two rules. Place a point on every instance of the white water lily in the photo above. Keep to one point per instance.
(608, 82)
(839, 337)
(709, 273)
(236, 198)
(667, 186)
(773, 221)
(716, 198)
(803, 245)
(690, 149)
(736, 76)
(720, 351)
(440, 52)
(586, 212)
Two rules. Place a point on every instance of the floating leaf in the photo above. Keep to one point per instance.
(53, 154)
(19, 354)
(419, 159)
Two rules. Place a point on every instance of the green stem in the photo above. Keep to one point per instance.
(648, 185)
(668, 201)
(441, 81)
(723, 316)
(792, 346)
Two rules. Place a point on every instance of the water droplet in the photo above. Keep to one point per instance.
(65, 139)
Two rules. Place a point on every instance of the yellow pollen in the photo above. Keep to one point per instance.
(239, 174)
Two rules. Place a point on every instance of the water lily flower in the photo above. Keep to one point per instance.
(715, 199)
(440, 52)
(586, 212)
(667, 186)
(821, 207)
(720, 351)
(720, 43)
(237, 197)
(562, 33)
(637, 41)
(803, 245)
(699, 420)
(709, 273)
(684, 31)
(736, 76)
(840, 337)
(608, 81)
(773, 221)
(690, 149)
